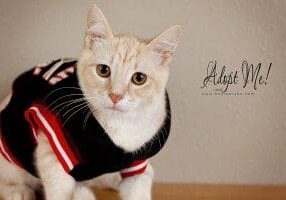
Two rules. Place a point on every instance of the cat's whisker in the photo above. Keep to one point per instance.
(67, 107)
(60, 98)
(86, 119)
(71, 94)
(83, 106)
(73, 108)
(91, 111)
(59, 89)
(66, 103)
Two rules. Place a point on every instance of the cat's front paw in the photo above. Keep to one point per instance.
(83, 193)
(132, 191)
(21, 193)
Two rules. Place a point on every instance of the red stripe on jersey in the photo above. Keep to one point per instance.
(49, 124)
(136, 163)
(136, 168)
(30, 118)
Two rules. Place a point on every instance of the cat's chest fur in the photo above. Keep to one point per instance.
(132, 132)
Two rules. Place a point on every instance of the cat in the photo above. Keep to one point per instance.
(122, 80)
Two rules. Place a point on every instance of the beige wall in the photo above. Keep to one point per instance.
(215, 139)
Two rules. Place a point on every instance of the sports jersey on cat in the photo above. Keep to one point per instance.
(48, 99)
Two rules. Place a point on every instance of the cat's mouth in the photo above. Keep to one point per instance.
(115, 108)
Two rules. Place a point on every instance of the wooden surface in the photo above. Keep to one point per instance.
(207, 192)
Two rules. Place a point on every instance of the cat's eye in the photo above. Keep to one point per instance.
(139, 78)
(103, 70)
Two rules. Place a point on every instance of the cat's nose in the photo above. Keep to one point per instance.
(115, 98)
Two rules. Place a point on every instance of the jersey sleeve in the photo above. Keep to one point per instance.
(136, 168)
(42, 120)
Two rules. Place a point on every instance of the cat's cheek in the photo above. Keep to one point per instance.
(95, 83)
(143, 92)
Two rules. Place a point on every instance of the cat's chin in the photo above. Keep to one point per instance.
(118, 108)
(115, 109)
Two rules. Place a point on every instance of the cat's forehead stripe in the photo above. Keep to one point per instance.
(126, 51)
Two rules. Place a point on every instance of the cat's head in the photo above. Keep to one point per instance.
(121, 74)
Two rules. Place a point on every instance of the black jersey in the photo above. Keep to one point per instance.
(48, 99)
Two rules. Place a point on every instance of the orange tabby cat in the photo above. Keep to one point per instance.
(132, 98)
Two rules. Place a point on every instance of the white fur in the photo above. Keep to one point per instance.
(132, 130)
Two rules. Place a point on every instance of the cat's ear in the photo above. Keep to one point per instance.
(97, 25)
(164, 45)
